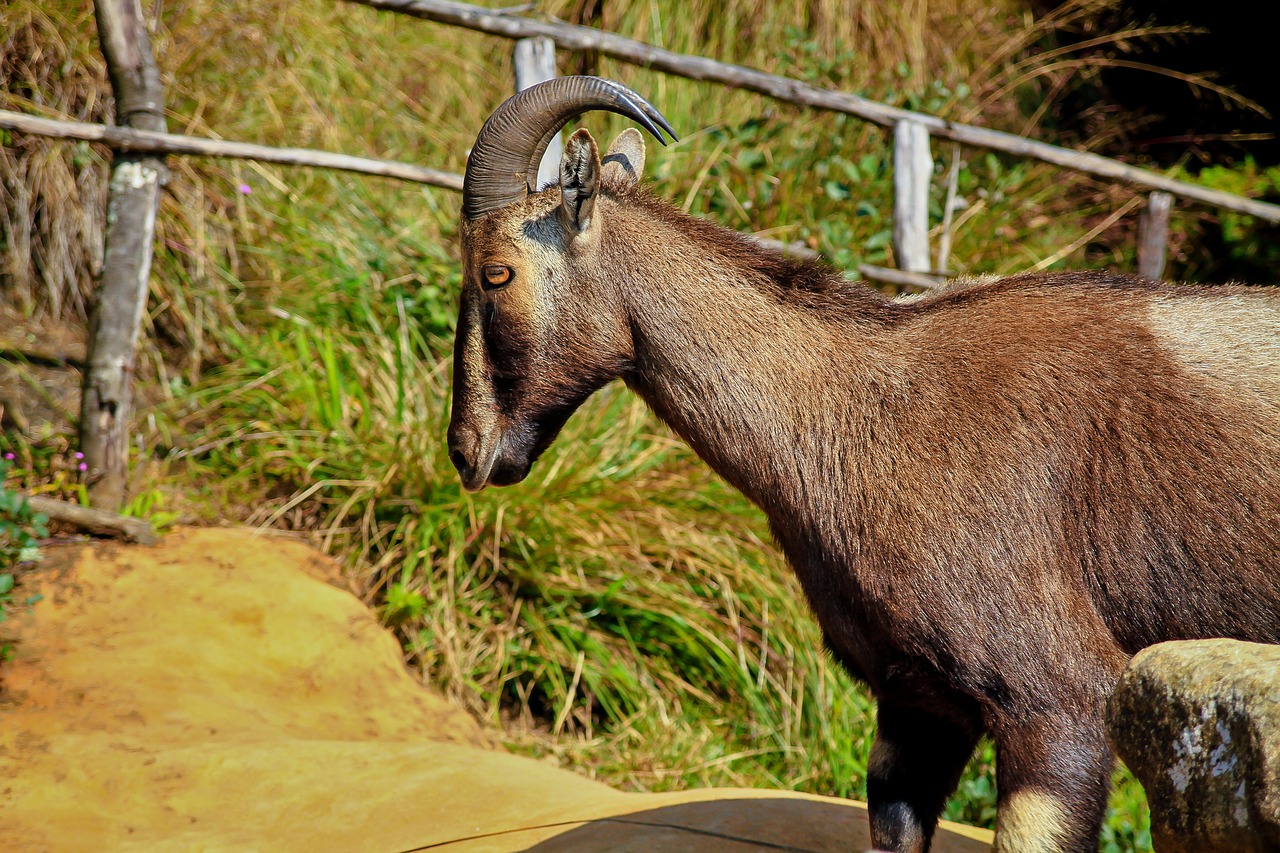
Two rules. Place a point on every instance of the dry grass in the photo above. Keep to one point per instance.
(52, 195)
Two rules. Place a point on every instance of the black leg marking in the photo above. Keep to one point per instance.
(916, 761)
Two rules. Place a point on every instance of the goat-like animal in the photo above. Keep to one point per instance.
(1096, 465)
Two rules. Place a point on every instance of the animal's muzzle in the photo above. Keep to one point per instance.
(485, 460)
(472, 455)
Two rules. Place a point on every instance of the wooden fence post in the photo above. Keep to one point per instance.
(912, 172)
(535, 61)
(117, 313)
(1153, 235)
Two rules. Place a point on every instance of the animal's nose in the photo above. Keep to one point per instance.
(463, 444)
(460, 462)
(474, 453)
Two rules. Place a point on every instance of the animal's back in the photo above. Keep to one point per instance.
(1131, 427)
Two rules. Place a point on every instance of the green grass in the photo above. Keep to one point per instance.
(21, 528)
(622, 612)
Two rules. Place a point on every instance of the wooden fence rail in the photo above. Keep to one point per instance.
(573, 37)
(151, 142)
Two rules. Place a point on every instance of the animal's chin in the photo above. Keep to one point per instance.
(518, 451)
(500, 475)
(508, 473)
(511, 455)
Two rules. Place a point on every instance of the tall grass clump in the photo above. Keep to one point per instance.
(52, 195)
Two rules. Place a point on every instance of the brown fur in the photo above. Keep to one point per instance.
(993, 496)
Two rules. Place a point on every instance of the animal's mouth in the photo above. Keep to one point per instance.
(491, 468)
(475, 474)
(502, 456)
(508, 474)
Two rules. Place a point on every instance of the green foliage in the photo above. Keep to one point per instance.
(44, 463)
(974, 801)
(1249, 242)
(845, 208)
(149, 504)
(20, 529)
(1128, 826)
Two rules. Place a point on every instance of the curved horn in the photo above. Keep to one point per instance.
(503, 166)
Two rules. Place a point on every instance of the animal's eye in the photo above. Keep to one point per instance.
(495, 275)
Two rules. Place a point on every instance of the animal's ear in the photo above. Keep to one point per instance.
(624, 161)
(579, 181)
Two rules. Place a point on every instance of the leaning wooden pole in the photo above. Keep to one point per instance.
(134, 194)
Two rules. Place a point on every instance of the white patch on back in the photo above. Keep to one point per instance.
(1230, 342)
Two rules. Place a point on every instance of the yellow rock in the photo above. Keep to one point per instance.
(215, 692)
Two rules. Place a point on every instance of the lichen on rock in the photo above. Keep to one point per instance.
(1198, 722)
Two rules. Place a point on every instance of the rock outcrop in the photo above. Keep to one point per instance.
(1198, 723)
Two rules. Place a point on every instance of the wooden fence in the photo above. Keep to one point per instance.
(139, 142)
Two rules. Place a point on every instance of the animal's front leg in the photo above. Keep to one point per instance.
(916, 761)
(1053, 775)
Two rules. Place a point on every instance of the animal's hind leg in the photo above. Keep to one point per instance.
(1054, 775)
(916, 761)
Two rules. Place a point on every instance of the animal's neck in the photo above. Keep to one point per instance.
(764, 367)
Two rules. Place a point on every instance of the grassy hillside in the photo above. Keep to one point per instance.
(622, 612)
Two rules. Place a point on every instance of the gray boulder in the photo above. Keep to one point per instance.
(1198, 722)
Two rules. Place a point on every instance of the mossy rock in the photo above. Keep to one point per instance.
(1198, 722)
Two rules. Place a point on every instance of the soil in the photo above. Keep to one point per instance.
(220, 691)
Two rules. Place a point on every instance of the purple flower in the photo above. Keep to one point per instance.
(78, 455)
(84, 466)
(10, 456)
(245, 189)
